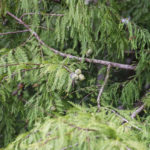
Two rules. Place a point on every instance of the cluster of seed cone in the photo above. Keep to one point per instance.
(77, 75)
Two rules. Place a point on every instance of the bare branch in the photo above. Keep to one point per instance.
(15, 32)
(135, 113)
(113, 64)
(102, 88)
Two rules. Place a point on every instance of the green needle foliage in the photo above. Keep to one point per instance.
(81, 129)
(40, 101)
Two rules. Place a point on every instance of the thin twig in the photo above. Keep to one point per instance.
(130, 52)
(67, 69)
(43, 27)
(85, 97)
(14, 73)
(80, 89)
(113, 64)
(124, 120)
(15, 32)
(23, 44)
(70, 146)
(28, 64)
(80, 128)
(26, 14)
(137, 111)
(102, 88)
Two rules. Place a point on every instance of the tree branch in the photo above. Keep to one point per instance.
(15, 32)
(96, 61)
(135, 113)
(102, 88)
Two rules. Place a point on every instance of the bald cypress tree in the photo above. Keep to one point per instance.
(74, 74)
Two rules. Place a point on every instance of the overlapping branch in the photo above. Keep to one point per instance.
(96, 61)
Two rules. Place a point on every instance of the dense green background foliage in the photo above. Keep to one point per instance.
(36, 86)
